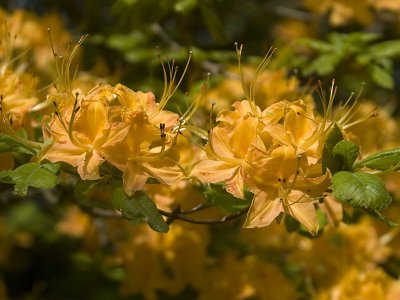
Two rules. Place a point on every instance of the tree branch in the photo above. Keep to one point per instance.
(176, 214)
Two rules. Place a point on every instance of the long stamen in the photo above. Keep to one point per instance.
(259, 70)
(369, 115)
(239, 59)
(170, 86)
(296, 175)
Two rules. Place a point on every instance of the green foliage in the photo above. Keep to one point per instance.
(328, 159)
(12, 144)
(345, 153)
(139, 209)
(376, 214)
(360, 190)
(358, 50)
(217, 196)
(31, 174)
(382, 161)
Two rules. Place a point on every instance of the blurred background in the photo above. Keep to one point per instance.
(51, 249)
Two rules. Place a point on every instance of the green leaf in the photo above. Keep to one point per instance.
(323, 64)
(217, 196)
(346, 153)
(328, 159)
(379, 216)
(360, 190)
(385, 49)
(317, 45)
(11, 144)
(381, 161)
(381, 76)
(139, 209)
(360, 37)
(31, 174)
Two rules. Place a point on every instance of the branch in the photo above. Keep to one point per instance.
(176, 214)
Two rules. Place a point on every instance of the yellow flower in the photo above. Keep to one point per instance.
(279, 186)
(146, 150)
(82, 134)
(228, 148)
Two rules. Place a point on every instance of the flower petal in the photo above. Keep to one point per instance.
(263, 211)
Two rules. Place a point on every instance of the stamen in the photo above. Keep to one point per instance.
(210, 121)
(250, 91)
(296, 175)
(170, 87)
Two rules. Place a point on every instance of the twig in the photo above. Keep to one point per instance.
(288, 12)
(176, 214)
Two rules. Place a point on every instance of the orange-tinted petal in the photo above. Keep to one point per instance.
(263, 211)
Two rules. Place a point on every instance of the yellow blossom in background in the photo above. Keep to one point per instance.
(342, 12)
(386, 5)
(184, 251)
(328, 258)
(75, 223)
(234, 278)
(29, 33)
(360, 284)
(272, 86)
(18, 96)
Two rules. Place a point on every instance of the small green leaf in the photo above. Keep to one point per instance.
(217, 196)
(381, 161)
(346, 153)
(360, 190)
(385, 49)
(31, 174)
(291, 223)
(328, 159)
(381, 76)
(323, 64)
(11, 144)
(317, 45)
(139, 209)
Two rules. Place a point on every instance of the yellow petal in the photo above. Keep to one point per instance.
(301, 207)
(234, 185)
(263, 211)
(91, 119)
(88, 169)
(213, 171)
(134, 179)
(242, 136)
(314, 187)
(166, 170)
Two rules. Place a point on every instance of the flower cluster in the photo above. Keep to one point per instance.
(276, 153)
(129, 130)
